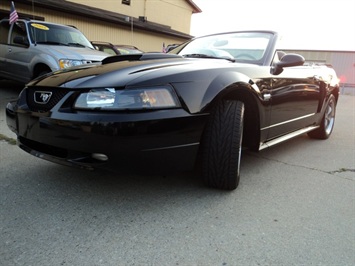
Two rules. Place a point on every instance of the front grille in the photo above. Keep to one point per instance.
(56, 95)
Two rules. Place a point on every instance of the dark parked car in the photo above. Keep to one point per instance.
(118, 49)
(158, 111)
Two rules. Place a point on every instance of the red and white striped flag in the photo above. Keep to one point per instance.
(13, 13)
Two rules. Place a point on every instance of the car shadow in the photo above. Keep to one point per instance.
(76, 195)
(102, 182)
(9, 90)
(9, 84)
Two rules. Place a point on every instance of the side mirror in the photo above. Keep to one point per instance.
(21, 41)
(288, 60)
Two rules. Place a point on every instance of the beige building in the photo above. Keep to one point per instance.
(147, 24)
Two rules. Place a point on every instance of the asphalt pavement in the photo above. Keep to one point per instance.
(295, 205)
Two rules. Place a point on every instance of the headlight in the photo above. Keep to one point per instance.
(128, 99)
(65, 63)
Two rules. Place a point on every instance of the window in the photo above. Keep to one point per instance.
(126, 2)
(18, 30)
(57, 34)
(4, 31)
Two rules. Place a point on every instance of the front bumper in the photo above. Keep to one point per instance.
(164, 140)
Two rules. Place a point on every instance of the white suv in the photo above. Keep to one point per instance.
(30, 48)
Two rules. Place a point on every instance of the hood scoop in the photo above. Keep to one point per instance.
(138, 57)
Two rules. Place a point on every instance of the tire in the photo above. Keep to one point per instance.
(327, 124)
(41, 72)
(222, 146)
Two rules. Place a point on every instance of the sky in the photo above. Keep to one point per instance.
(303, 24)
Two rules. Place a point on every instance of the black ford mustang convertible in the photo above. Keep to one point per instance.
(204, 101)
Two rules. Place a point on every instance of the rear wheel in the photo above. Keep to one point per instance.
(222, 145)
(327, 123)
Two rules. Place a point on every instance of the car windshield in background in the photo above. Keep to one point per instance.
(128, 50)
(240, 46)
(43, 33)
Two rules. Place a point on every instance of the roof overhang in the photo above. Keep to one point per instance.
(108, 16)
(196, 9)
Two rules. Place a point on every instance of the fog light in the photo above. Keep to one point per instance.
(99, 156)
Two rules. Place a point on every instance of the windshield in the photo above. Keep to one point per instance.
(128, 50)
(241, 46)
(43, 33)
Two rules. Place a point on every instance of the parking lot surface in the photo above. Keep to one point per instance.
(295, 205)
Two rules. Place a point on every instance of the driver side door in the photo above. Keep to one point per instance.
(295, 97)
(18, 56)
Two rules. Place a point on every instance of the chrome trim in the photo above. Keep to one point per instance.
(288, 121)
(286, 137)
(42, 97)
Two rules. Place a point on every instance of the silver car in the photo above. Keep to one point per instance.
(30, 48)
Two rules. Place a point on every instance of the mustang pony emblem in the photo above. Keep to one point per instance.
(42, 97)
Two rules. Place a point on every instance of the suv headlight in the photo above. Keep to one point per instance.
(65, 63)
(161, 97)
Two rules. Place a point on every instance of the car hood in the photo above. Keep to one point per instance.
(132, 70)
(71, 52)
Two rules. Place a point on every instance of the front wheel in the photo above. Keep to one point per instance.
(42, 73)
(222, 145)
(327, 123)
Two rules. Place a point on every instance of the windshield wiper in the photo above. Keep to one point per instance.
(52, 43)
(76, 44)
(208, 56)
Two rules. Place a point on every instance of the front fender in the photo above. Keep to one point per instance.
(226, 80)
(197, 94)
(44, 59)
